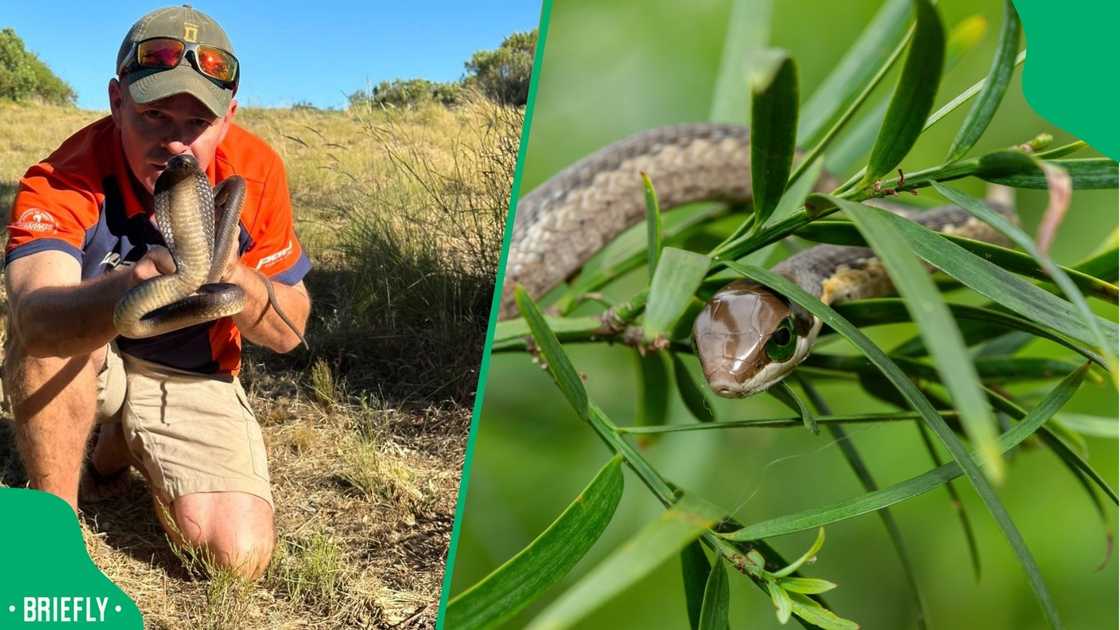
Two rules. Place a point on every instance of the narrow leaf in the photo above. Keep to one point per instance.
(1013, 168)
(808, 586)
(873, 48)
(1096, 426)
(692, 393)
(679, 273)
(510, 334)
(647, 550)
(773, 129)
(1059, 275)
(864, 313)
(997, 284)
(984, 108)
(915, 486)
(781, 601)
(653, 224)
(913, 97)
(929, 414)
(695, 569)
(559, 366)
(936, 325)
(783, 392)
(545, 561)
(713, 615)
(808, 556)
(845, 233)
(812, 612)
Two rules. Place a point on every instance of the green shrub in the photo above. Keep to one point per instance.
(503, 74)
(23, 76)
(409, 93)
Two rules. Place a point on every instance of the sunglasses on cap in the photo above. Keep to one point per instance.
(220, 66)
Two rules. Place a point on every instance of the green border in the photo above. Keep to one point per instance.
(484, 370)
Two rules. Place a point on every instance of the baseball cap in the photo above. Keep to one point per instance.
(189, 25)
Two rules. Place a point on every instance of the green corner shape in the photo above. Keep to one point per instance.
(48, 579)
(1070, 73)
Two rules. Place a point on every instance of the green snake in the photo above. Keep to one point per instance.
(747, 337)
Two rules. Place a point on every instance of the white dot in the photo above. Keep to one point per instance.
(11, 608)
(117, 608)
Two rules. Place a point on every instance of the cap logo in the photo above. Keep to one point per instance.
(190, 32)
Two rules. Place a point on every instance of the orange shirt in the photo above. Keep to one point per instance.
(81, 200)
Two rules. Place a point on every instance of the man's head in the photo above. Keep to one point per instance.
(174, 93)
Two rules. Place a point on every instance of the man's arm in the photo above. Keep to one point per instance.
(54, 313)
(259, 322)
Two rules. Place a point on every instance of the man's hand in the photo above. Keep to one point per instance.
(156, 262)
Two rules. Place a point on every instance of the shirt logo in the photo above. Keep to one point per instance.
(36, 220)
(271, 258)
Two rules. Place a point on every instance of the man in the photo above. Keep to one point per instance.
(81, 235)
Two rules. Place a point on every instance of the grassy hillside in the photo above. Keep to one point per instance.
(401, 213)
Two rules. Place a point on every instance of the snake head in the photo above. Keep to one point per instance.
(178, 168)
(748, 338)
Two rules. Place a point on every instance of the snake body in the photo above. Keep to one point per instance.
(562, 223)
(200, 228)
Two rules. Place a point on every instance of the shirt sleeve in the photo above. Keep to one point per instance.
(275, 250)
(49, 213)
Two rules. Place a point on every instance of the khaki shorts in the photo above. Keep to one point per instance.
(189, 432)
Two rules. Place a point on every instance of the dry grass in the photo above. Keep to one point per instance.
(366, 433)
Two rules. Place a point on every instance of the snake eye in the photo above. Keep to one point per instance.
(782, 342)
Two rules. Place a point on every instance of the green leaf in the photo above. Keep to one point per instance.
(713, 614)
(783, 392)
(679, 273)
(559, 366)
(838, 232)
(694, 572)
(864, 313)
(981, 211)
(844, 156)
(808, 556)
(874, 48)
(748, 31)
(1104, 266)
(653, 223)
(648, 549)
(653, 402)
(781, 600)
(913, 98)
(922, 405)
(1015, 169)
(997, 284)
(692, 393)
(912, 487)
(510, 334)
(984, 109)
(812, 612)
(808, 586)
(773, 129)
(1096, 426)
(937, 328)
(545, 561)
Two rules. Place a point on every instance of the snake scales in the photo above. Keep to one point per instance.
(562, 223)
(200, 227)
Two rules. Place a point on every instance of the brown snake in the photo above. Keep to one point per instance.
(200, 227)
(747, 337)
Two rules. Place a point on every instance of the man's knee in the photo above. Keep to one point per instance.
(235, 530)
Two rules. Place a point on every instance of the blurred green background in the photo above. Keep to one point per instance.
(611, 69)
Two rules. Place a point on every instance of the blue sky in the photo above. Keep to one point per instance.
(290, 50)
